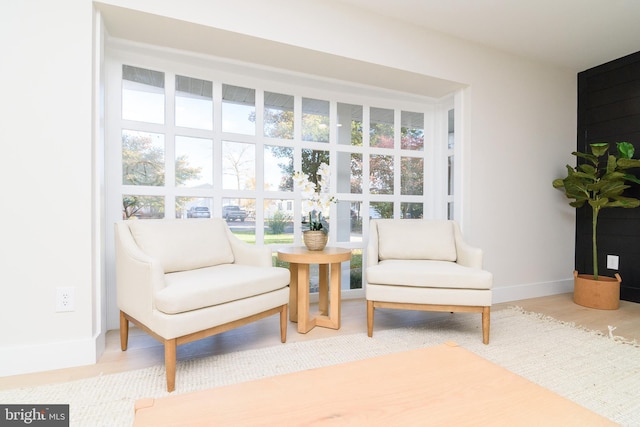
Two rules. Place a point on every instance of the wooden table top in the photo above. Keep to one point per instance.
(302, 255)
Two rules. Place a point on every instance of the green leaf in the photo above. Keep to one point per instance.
(611, 163)
(593, 159)
(624, 202)
(589, 169)
(632, 178)
(625, 150)
(599, 148)
(599, 203)
(628, 163)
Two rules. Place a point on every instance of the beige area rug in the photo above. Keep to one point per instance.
(598, 371)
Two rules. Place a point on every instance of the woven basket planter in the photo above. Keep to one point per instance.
(603, 294)
(314, 240)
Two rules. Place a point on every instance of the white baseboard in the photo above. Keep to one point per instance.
(531, 290)
(26, 359)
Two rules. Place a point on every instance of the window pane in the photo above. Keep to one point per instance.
(315, 120)
(238, 110)
(142, 95)
(238, 166)
(193, 207)
(350, 124)
(142, 158)
(349, 179)
(450, 177)
(278, 115)
(412, 131)
(311, 160)
(412, 175)
(381, 128)
(381, 210)
(142, 207)
(278, 216)
(278, 168)
(451, 129)
(349, 222)
(194, 162)
(194, 103)
(240, 215)
(381, 175)
(355, 270)
(411, 210)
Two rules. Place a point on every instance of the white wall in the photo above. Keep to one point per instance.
(520, 121)
(46, 181)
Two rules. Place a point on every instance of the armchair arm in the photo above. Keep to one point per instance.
(246, 254)
(138, 276)
(372, 247)
(467, 255)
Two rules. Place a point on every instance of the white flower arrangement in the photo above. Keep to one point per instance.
(316, 200)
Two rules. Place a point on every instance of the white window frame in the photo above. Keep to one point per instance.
(220, 72)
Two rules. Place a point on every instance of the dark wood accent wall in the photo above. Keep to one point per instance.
(609, 111)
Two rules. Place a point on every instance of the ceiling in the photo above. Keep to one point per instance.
(577, 34)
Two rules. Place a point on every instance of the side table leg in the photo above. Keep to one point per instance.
(323, 289)
(293, 292)
(304, 323)
(336, 285)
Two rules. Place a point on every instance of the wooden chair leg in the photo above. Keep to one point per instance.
(370, 318)
(283, 323)
(486, 320)
(124, 332)
(170, 363)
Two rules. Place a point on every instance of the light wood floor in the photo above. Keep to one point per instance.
(145, 351)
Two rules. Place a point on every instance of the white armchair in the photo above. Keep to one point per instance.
(416, 264)
(183, 280)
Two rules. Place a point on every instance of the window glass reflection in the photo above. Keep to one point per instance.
(311, 160)
(349, 222)
(381, 128)
(194, 162)
(240, 214)
(315, 120)
(142, 207)
(350, 124)
(380, 210)
(278, 115)
(412, 175)
(278, 168)
(142, 158)
(238, 166)
(278, 216)
(142, 95)
(411, 210)
(238, 110)
(412, 131)
(193, 207)
(381, 174)
(194, 103)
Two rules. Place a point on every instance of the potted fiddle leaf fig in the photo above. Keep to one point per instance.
(599, 181)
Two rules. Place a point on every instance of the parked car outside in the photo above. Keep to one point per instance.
(198, 212)
(231, 213)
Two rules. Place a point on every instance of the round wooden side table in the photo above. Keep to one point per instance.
(329, 262)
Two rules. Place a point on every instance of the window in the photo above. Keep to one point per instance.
(197, 142)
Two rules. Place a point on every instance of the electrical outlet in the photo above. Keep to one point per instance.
(65, 299)
(612, 262)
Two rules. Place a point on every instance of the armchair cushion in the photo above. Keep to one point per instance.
(428, 274)
(210, 286)
(183, 245)
(416, 239)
